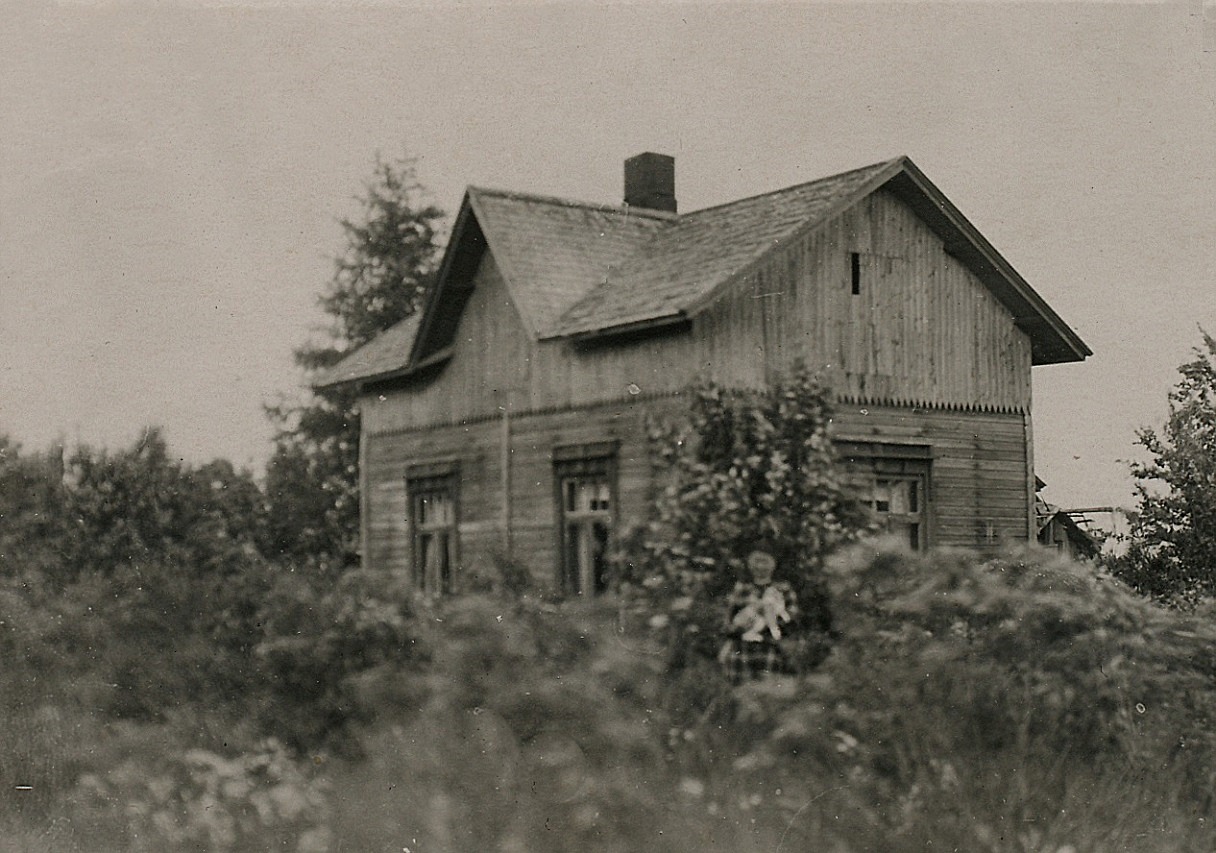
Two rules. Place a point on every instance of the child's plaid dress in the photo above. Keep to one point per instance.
(755, 616)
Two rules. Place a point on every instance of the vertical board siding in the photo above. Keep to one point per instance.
(923, 330)
(489, 369)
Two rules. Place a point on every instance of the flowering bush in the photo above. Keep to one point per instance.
(747, 471)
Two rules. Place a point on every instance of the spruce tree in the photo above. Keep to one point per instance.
(380, 278)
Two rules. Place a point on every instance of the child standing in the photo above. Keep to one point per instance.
(759, 613)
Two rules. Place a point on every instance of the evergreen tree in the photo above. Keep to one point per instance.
(1173, 540)
(380, 278)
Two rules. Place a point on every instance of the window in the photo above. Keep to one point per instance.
(586, 493)
(433, 522)
(893, 481)
(896, 503)
(855, 269)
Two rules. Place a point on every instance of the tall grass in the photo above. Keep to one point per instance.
(1012, 704)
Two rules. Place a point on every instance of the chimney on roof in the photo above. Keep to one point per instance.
(650, 182)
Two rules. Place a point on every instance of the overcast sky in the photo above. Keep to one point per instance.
(171, 175)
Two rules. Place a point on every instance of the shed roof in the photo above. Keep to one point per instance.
(383, 355)
(576, 269)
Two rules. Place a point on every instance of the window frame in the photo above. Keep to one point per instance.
(434, 479)
(596, 462)
(871, 463)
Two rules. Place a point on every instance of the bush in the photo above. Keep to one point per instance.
(1021, 703)
(201, 801)
(323, 648)
(748, 471)
(1018, 703)
(539, 733)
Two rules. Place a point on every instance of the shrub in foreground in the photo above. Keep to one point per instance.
(749, 471)
(1021, 703)
(1011, 704)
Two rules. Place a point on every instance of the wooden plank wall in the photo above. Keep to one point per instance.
(924, 330)
(477, 449)
(490, 369)
(924, 354)
(977, 490)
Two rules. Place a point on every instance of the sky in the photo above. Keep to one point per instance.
(172, 175)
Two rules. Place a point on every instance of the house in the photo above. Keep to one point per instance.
(507, 418)
(1072, 531)
(1059, 529)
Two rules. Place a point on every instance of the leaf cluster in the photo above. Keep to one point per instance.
(1172, 552)
(747, 471)
(101, 511)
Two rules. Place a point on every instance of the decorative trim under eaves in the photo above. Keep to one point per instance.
(841, 400)
(929, 405)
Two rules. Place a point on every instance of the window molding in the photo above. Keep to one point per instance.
(434, 488)
(862, 450)
(436, 468)
(901, 477)
(586, 451)
(584, 478)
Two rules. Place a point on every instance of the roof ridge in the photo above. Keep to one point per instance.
(599, 207)
(881, 164)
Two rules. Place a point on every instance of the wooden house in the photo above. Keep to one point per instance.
(1062, 530)
(507, 418)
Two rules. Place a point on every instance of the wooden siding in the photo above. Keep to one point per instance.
(478, 451)
(977, 484)
(923, 355)
(923, 331)
(490, 368)
(978, 490)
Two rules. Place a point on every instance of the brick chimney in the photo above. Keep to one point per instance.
(650, 182)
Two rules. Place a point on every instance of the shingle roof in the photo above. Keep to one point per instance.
(384, 354)
(576, 269)
(553, 252)
(686, 261)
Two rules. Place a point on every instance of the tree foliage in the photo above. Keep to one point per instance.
(380, 278)
(31, 517)
(142, 505)
(98, 511)
(750, 470)
(1172, 555)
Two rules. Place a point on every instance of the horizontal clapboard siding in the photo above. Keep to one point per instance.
(979, 480)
